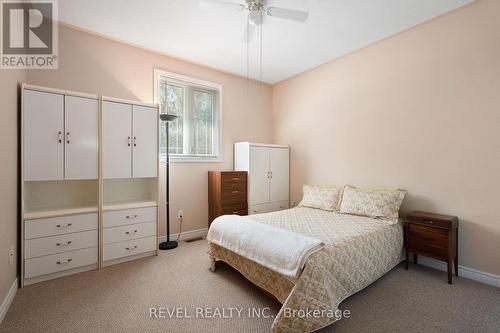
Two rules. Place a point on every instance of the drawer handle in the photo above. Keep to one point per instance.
(131, 232)
(255, 211)
(131, 248)
(131, 216)
(235, 192)
(236, 212)
(66, 243)
(60, 262)
(64, 225)
(235, 178)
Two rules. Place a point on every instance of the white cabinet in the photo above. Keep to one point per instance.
(67, 139)
(279, 174)
(145, 139)
(117, 140)
(259, 174)
(81, 136)
(43, 119)
(268, 175)
(60, 136)
(130, 140)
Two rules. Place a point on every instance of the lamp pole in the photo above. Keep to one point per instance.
(168, 244)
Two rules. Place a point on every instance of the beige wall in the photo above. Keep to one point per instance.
(9, 84)
(421, 111)
(89, 63)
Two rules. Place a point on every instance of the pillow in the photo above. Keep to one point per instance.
(321, 197)
(372, 202)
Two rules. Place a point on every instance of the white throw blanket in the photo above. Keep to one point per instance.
(280, 250)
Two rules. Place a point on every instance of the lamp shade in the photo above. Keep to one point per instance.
(167, 117)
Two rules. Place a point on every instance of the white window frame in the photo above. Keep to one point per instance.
(202, 84)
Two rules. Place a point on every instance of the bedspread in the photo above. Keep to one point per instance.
(358, 250)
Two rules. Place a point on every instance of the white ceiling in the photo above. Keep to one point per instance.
(213, 36)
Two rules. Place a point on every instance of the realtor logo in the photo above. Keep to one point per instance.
(29, 34)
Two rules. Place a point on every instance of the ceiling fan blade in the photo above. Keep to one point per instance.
(217, 3)
(289, 14)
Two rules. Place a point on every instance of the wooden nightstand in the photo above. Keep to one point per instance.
(432, 235)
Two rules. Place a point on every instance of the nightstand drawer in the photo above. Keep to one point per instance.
(428, 236)
(429, 241)
(433, 223)
(427, 250)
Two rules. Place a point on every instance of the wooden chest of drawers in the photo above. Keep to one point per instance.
(432, 235)
(227, 193)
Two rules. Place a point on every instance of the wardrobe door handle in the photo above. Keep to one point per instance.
(67, 137)
(135, 145)
(60, 262)
(59, 137)
(64, 225)
(129, 141)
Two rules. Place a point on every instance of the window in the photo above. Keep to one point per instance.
(195, 134)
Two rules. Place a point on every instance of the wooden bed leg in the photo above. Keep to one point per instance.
(212, 263)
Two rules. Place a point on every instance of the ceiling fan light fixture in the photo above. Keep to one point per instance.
(255, 17)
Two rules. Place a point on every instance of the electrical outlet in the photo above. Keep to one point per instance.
(12, 255)
(180, 214)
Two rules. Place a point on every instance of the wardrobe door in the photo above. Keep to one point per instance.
(145, 142)
(117, 140)
(81, 135)
(259, 175)
(279, 167)
(43, 135)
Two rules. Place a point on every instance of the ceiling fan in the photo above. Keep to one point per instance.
(257, 10)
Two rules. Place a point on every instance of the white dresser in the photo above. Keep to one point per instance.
(268, 175)
(89, 195)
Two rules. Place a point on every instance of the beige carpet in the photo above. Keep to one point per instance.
(118, 299)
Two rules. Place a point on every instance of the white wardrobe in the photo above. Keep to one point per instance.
(89, 185)
(268, 175)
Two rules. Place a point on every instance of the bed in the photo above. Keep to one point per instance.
(358, 250)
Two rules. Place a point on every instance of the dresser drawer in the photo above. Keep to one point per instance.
(240, 209)
(230, 179)
(233, 197)
(60, 225)
(129, 248)
(268, 207)
(128, 232)
(129, 216)
(62, 243)
(59, 262)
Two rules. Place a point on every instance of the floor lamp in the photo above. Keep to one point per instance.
(168, 244)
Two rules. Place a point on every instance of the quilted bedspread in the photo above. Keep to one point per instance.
(358, 250)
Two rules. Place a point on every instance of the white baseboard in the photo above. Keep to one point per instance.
(187, 235)
(466, 272)
(8, 300)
